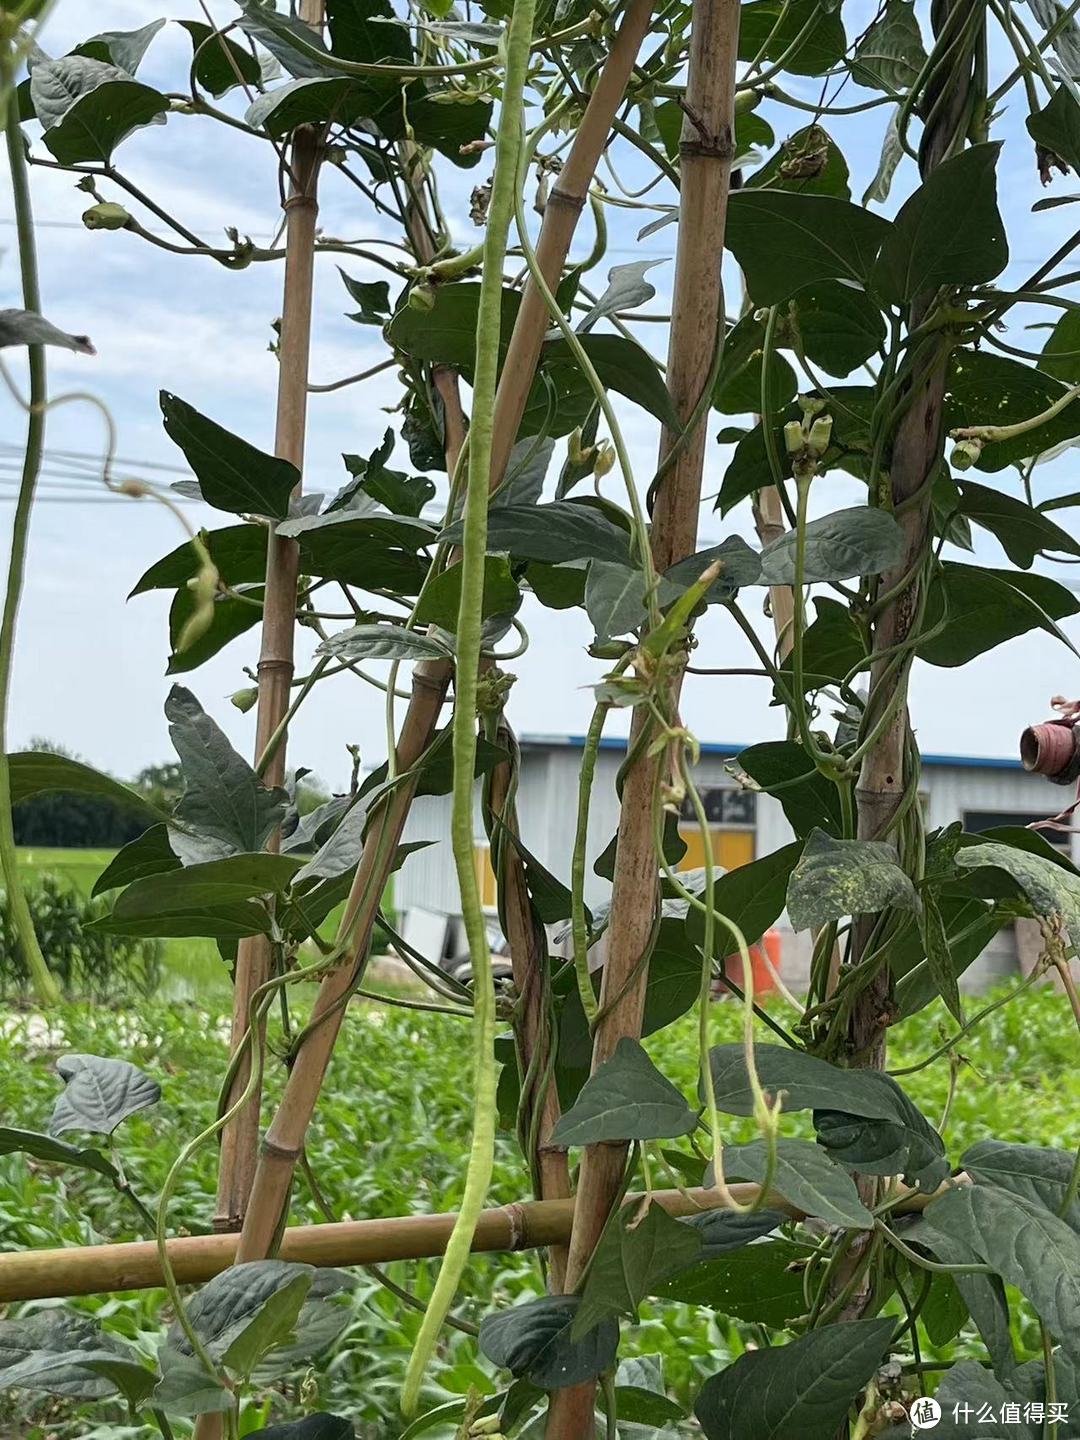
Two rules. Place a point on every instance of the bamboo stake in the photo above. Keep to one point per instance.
(562, 210)
(917, 449)
(526, 1225)
(284, 1140)
(705, 171)
(240, 1138)
(769, 523)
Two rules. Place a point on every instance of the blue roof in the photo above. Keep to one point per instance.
(618, 742)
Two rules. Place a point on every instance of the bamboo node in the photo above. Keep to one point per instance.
(299, 200)
(291, 1153)
(519, 1228)
(564, 197)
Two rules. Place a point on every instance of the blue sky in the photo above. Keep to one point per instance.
(90, 665)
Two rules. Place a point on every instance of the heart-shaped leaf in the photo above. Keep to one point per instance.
(99, 1094)
(784, 241)
(804, 1176)
(614, 598)
(751, 897)
(859, 541)
(626, 1098)
(834, 878)
(232, 474)
(241, 1313)
(636, 1253)
(805, 1388)
(534, 1340)
(1036, 1173)
(225, 807)
(757, 1282)
(87, 108)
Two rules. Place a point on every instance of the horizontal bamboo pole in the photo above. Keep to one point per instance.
(527, 1225)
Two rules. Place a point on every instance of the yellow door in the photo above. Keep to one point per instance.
(730, 848)
(485, 877)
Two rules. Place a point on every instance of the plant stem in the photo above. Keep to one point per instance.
(45, 985)
(466, 688)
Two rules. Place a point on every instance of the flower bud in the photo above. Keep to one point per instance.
(794, 439)
(965, 454)
(817, 442)
(811, 404)
(422, 297)
(605, 461)
(106, 215)
(244, 700)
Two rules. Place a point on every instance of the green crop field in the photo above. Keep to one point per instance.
(80, 868)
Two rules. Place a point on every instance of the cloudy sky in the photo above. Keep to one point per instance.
(90, 664)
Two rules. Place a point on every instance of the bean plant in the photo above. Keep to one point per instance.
(878, 338)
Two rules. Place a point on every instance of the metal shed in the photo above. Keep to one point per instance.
(982, 792)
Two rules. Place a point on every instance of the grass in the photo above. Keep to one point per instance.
(391, 1138)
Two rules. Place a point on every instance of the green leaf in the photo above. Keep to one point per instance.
(1038, 1174)
(1056, 131)
(970, 924)
(54, 1152)
(1052, 891)
(358, 32)
(232, 474)
(175, 902)
(984, 1295)
(968, 1390)
(614, 598)
(556, 533)
(808, 162)
(807, 1083)
(312, 1427)
(807, 38)
(277, 39)
(220, 60)
(54, 1351)
(26, 327)
(834, 878)
(890, 54)
(983, 608)
(738, 386)
(1022, 530)
(373, 297)
(225, 808)
(39, 772)
(833, 646)
(551, 899)
(99, 1094)
(939, 959)
(1061, 354)
(805, 1177)
(1026, 1244)
(927, 247)
(815, 802)
(627, 288)
(241, 1313)
(440, 601)
(635, 1254)
(722, 1231)
(370, 551)
(892, 152)
(847, 543)
(230, 619)
(944, 1312)
(740, 565)
(784, 241)
(238, 551)
(751, 897)
(805, 1388)
(904, 1144)
(757, 1282)
(123, 48)
(401, 494)
(87, 108)
(383, 642)
(626, 1098)
(312, 100)
(624, 366)
(673, 985)
(534, 1340)
(185, 1387)
(839, 325)
(986, 389)
(638, 1406)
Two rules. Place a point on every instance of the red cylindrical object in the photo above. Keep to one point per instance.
(1047, 749)
(764, 984)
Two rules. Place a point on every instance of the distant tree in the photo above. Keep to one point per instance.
(63, 821)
